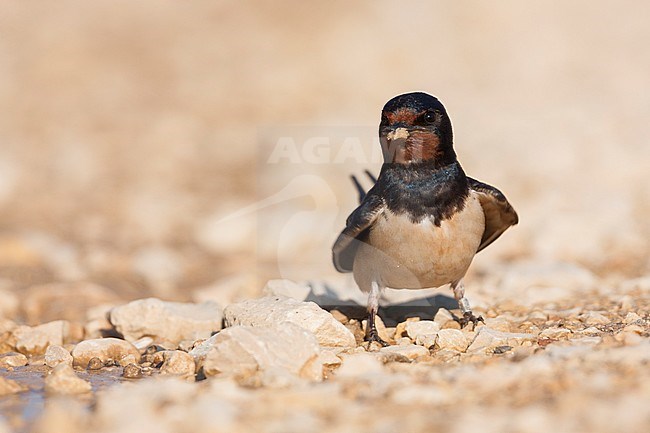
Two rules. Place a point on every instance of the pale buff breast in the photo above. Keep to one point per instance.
(401, 254)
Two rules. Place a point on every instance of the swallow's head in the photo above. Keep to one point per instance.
(415, 128)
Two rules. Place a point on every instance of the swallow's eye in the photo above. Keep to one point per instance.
(429, 117)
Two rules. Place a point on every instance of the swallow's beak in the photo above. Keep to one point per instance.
(395, 144)
(396, 134)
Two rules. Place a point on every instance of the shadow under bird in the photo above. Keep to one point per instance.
(423, 221)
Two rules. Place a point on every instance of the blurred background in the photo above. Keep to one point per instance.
(172, 148)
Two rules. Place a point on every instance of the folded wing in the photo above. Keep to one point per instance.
(499, 214)
(356, 230)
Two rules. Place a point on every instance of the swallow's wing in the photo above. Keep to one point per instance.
(499, 214)
(356, 229)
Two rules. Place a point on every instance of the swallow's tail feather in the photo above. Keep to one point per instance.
(360, 190)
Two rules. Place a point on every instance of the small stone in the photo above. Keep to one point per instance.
(274, 378)
(55, 355)
(354, 326)
(594, 318)
(36, 360)
(543, 342)
(353, 350)
(187, 345)
(470, 332)
(499, 350)
(170, 321)
(442, 317)
(8, 386)
(528, 327)
(410, 352)
(498, 324)
(571, 313)
(631, 317)
(404, 341)
(104, 349)
(427, 340)
(267, 312)
(389, 331)
(128, 359)
(452, 339)
(154, 348)
(132, 371)
(157, 358)
(244, 350)
(452, 324)
(95, 364)
(143, 343)
(35, 340)
(177, 363)
(421, 328)
(447, 355)
(339, 317)
(63, 380)
(555, 333)
(400, 329)
(329, 358)
(392, 357)
(12, 359)
(359, 364)
(592, 330)
(487, 339)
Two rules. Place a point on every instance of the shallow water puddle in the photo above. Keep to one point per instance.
(22, 409)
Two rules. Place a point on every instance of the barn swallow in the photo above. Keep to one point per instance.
(423, 221)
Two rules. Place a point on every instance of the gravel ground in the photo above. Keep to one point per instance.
(564, 365)
(172, 178)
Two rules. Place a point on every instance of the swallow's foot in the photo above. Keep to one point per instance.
(469, 317)
(374, 336)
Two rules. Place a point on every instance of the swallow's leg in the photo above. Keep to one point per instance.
(459, 294)
(373, 306)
